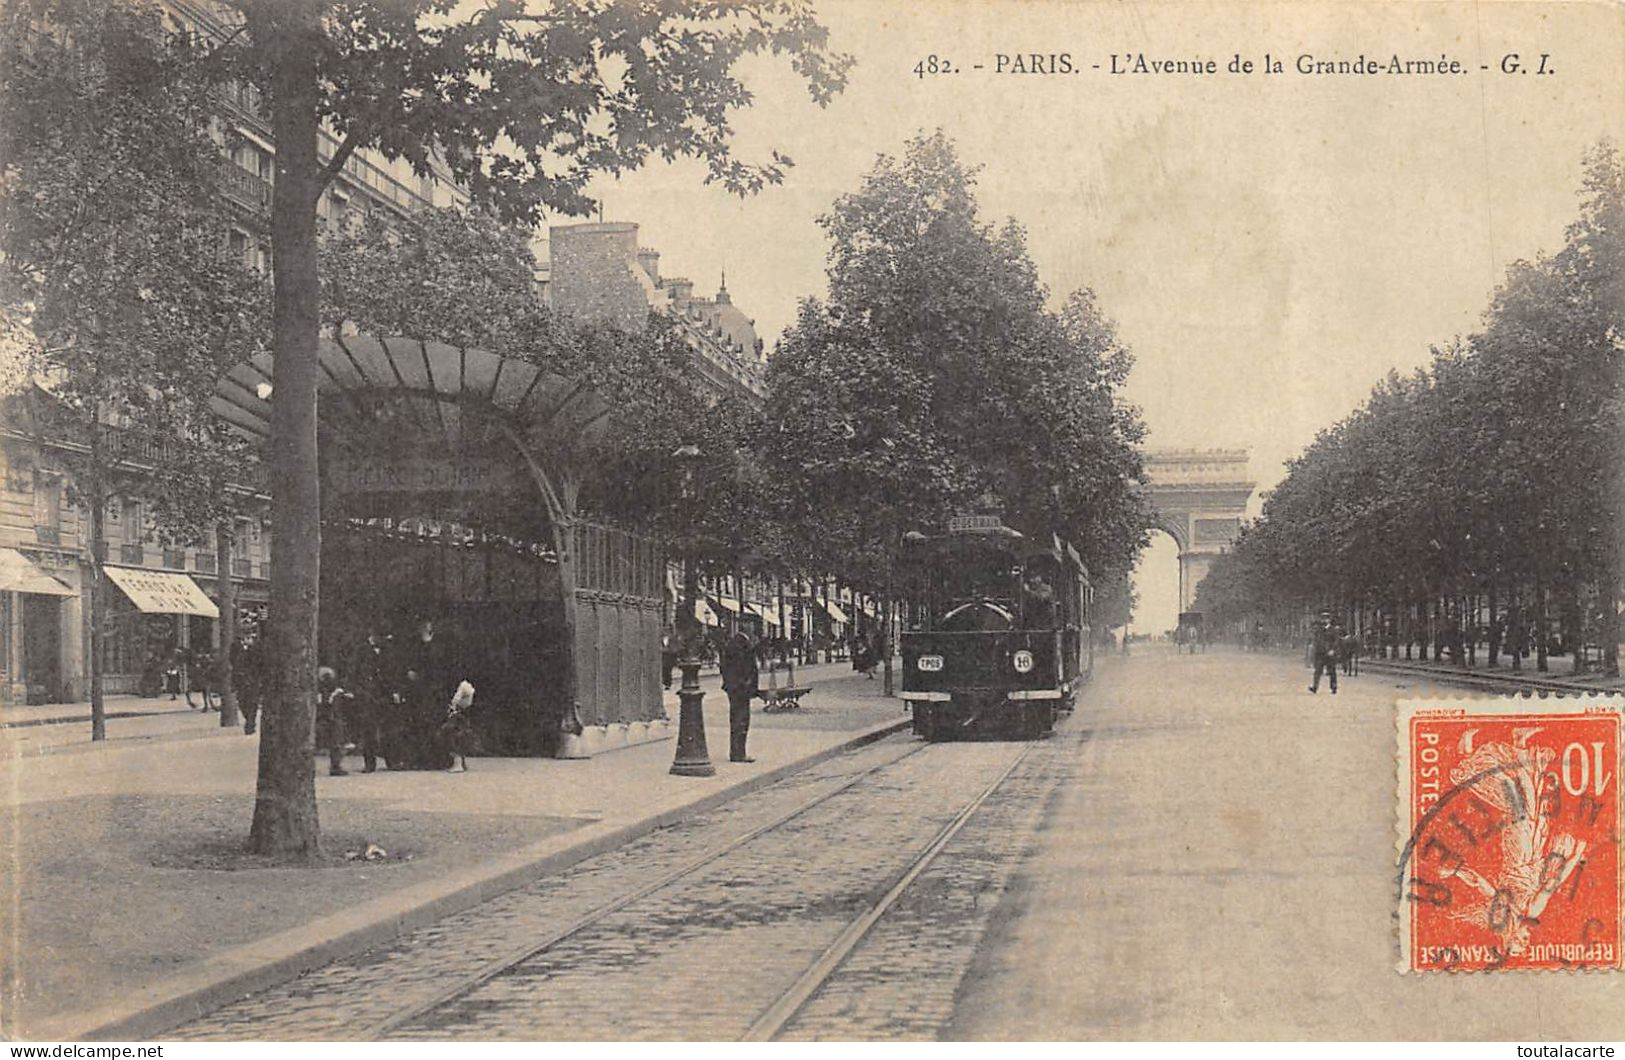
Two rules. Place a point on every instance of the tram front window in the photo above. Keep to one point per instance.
(976, 589)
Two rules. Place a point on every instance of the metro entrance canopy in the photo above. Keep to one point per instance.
(462, 437)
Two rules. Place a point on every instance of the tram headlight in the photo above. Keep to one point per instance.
(929, 664)
(1023, 661)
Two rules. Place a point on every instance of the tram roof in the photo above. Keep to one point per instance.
(1005, 539)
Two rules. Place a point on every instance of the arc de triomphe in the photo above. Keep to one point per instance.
(1199, 497)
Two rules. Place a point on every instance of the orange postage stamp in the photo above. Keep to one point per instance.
(1509, 821)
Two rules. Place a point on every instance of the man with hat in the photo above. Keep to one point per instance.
(1324, 647)
(739, 680)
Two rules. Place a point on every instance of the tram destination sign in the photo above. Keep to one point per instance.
(420, 474)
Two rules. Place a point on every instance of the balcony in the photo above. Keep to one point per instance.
(141, 449)
(133, 554)
(245, 98)
(250, 189)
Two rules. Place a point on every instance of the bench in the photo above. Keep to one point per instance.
(778, 700)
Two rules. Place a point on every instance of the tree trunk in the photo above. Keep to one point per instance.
(886, 617)
(98, 591)
(1472, 628)
(1494, 644)
(1608, 593)
(1436, 631)
(1574, 638)
(224, 681)
(1515, 626)
(1541, 632)
(289, 35)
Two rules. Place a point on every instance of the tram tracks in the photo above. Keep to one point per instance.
(779, 1014)
(404, 1023)
(805, 911)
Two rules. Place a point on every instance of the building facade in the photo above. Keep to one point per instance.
(44, 547)
(158, 594)
(597, 273)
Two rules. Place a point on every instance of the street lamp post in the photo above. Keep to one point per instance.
(692, 759)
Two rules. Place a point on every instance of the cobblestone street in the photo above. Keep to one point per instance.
(751, 921)
(1203, 850)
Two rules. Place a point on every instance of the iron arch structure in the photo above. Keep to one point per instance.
(492, 448)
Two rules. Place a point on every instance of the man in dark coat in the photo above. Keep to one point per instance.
(1324, 648)
(371, 686)
(739, 680)
(249, 673)
(668, 658)
(426, 690)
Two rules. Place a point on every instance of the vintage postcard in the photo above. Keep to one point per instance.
(811, 520)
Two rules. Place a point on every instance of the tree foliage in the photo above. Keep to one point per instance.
(112, 260)
(935, 375)
(457, 275)
(1496, 469)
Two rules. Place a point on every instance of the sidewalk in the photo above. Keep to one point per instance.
(1559, 679)
(136, 909)
(119, 706)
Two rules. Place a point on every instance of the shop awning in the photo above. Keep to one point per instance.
(19, 574)
(766, 614)
(835, 611)
(704, 615)
(160, 592)
(727, 603)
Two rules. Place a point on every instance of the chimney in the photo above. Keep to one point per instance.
(650, 260)
(589, 276)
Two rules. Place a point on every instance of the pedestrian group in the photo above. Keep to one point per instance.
(399, 702)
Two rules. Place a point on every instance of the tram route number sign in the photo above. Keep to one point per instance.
(414, 474)
(959, 523)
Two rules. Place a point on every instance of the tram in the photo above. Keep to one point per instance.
(996, 637)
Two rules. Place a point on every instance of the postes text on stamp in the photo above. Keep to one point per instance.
(1509, 820)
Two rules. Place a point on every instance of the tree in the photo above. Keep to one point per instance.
(112, 240)
(460, 276)
(1491, 474)
(525, 108)
(935, 375)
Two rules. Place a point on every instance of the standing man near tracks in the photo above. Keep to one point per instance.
(1323, 645)
(739, 680)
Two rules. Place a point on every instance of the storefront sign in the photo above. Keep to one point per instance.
(162, 592)
(408, 474)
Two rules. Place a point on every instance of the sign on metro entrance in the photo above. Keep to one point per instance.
(417, 474)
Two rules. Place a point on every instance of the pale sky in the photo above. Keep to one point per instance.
(1269, 246)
